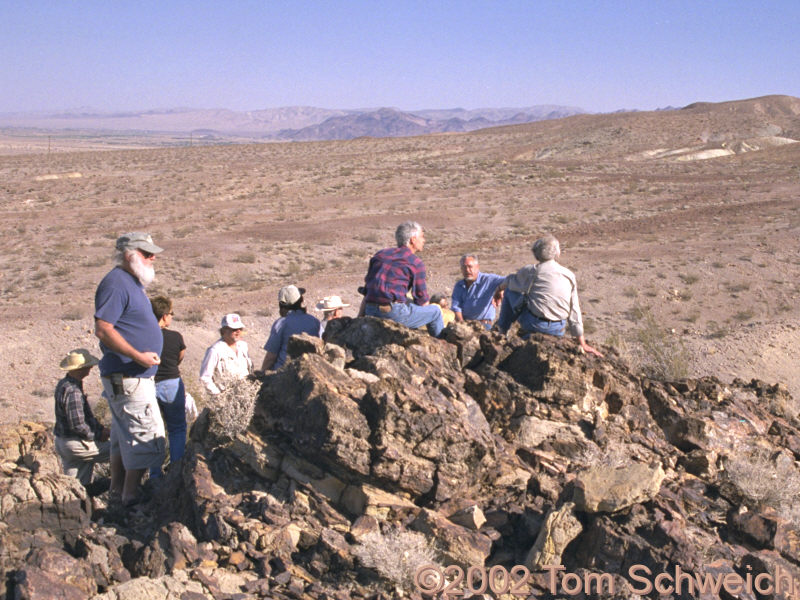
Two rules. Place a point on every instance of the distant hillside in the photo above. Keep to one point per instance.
(286, 123)
(497, 115)
(698, 131)
(389, 122)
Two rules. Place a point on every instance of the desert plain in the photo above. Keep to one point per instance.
(682, 226)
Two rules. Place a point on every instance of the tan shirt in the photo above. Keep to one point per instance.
(551, 291)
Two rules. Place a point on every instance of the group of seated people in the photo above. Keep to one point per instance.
(542, 297)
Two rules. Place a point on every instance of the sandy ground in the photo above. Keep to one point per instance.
(708, 247)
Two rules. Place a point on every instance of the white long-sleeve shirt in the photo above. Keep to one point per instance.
(221, 361)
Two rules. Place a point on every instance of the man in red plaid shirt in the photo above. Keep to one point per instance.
(392, 273)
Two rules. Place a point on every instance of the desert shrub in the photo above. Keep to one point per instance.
(630, 292)
(232, 409)
(75, 313)
(396, 556)
(656, 353)
(766, 479)
(662, 357)
(716, 331)
(245, 257)
(192, 316)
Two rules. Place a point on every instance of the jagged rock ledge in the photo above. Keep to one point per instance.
(492, 450)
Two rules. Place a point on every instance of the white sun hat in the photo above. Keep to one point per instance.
(330, 303)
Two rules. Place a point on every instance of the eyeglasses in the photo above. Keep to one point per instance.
(170, 313)
(146, 255)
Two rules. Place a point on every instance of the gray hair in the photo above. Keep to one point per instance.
(120, 256)
(466, 256)
(546, 248)
(405, 231)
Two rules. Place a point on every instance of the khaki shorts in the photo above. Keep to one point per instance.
(137, 429)
(78, 457)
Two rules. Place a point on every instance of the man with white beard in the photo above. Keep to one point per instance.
(131, 342)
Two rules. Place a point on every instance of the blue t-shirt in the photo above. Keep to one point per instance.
(292, 324)
(121, 300)
(475, 302)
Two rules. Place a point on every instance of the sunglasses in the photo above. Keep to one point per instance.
(146, 255)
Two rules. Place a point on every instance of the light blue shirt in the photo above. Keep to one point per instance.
(475, 302)
(293, 323)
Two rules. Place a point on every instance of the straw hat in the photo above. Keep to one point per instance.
(330, 303)
(78, 359)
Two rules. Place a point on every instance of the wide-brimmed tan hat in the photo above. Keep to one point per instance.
(78, 359)
(330, 303)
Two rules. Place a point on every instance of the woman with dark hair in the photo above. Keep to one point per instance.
(170, 391)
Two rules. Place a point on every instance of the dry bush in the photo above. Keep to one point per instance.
(232, 409)
(396, 556)
(74, 313)
(245, 257)
(764, 478)
(658, 355)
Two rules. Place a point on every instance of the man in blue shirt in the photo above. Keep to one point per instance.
(293, 321)
(131, 341)
(474, 296)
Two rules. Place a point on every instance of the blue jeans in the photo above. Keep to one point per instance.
(411, 315)
(171, 396)
(514, 308)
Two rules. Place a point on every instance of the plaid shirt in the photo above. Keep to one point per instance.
(392, 273)
(74, 417)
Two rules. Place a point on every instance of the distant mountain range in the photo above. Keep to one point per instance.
(287, 123)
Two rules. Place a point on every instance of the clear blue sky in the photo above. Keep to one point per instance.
(598, 55)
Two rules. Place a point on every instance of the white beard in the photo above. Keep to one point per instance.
(144, 273)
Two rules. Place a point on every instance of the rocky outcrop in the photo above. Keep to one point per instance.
(495, 451)
(608, 489)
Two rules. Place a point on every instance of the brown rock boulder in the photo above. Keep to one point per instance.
(426, 442)
(52, 573)
(313, 406)
(609, 489)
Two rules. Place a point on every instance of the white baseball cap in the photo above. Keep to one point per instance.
(232, 321)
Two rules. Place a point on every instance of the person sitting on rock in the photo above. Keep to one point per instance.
(80, 440)
(293, 321)
(392, 273)
(475, 295)
(543, 297)
(227, 357)
(332, 308)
